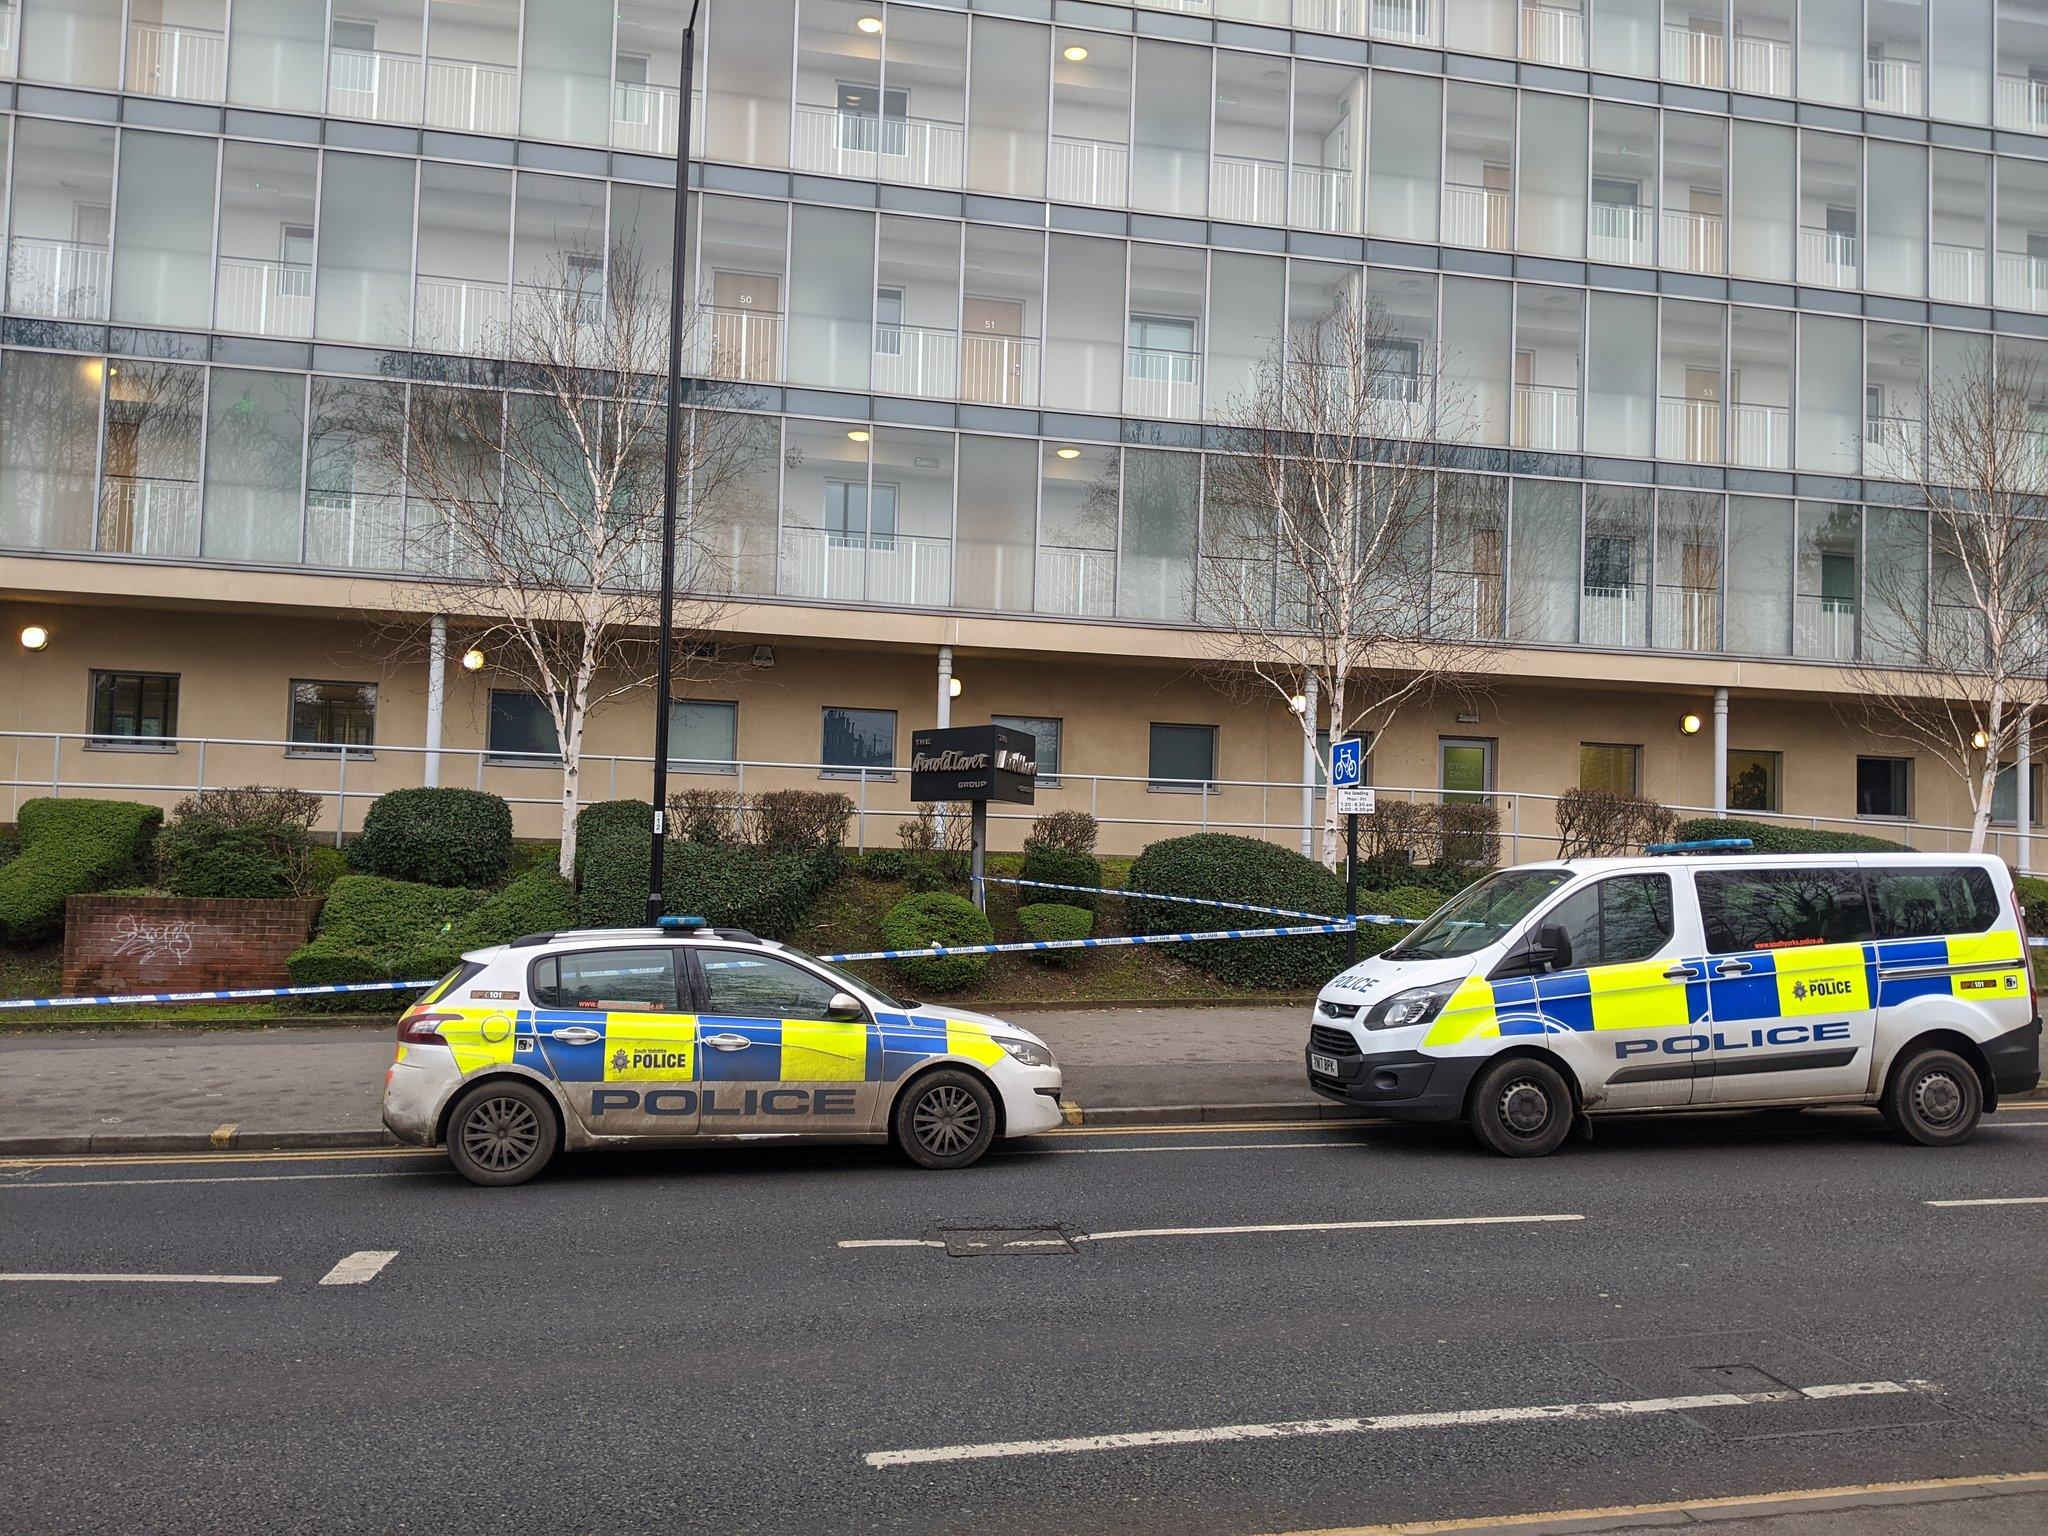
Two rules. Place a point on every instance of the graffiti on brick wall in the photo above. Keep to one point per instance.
(152, 946)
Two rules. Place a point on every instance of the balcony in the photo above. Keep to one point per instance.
(1554, 34)
(2022, 281)
(355, 530)
(999, 370)
(1763, 66)
(1088, 171)
(1248, 191)
(1620, 232)
(916, 360)
(902, 570)
(1608, 616)
(10, 24)
(1161, 381)
(1893, 447)
(1076, 581)
(183, 62)
(1402, 21)
(472, 97)
(452, 314)
(264, 298)
(1469, 605)
(1694, 58)
(1826, 627)
(743, 344)
(1478, 216)
(644, 117)
(383, 87)
(1689, 429)
(1894, 85)
(1693, 242)
(64, 279)
(1688, 618)
(2023, 104)
(913, 150)
(1325, 199)
(1546, 418)
(1827, 258)
(1957, 274)
(1762, 436)
(140, 515)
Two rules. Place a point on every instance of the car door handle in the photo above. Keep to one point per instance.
(728, 1042)
(1683, 973)
(577, 1034)
(1733, 968)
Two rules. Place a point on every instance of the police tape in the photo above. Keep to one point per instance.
(229, 995)
(939, 951)
(1197, 901)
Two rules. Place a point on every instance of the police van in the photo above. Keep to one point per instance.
(1697, 976)
(663, 1035)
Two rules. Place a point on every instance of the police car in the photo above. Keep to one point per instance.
(683, 1032)
(1696, 977)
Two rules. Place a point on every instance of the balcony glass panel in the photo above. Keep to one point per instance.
(1959, 71)
(647, 72)
(1090, 155)
(1553, 33)
(355, 501)
(746, 86)
(472, 81)
(1829, 560)
(1468, 586)
(1551, 219)
(1248, 177)
(1760, 388)
(1614, 574)
(558, 251)
(1623, 36)
(1000, 315)
(738, 544)
(1403, 305)
(72, 42)
(1831, 60)
(844, 120)
(996, 519)
(376, 67)
(1896, 261)
(1895, 559)
(1405, 147)
(1624, 194)
(911, 565)
(2022, 86)
(1414, 22)
(1164, 333)
(49, 431)
(2022, 275)
(1170, 143)
(1830, 425)
(1765, 166)
(1007, 108)
(178, 48)
(1957, 272)
(1477, 315)
(1543, 563)
(830, 512)
(277, 55)
(1894, 401)
(831, 297)
(1084, 343)
(149, 463)
(1830, 210)
(566, 79)
(1479, 168)
(1548, 326)
(1895, 57)
(1327, 186)
(1621, 375)
(924, 72)
(1245, 299)
(1690, 392)
(263, 283)
(255, 434)
(462, 300)
(60, 220)
(1695, 193)
(1156, 545)
(1077, 530)
(742, 276)
(1687, 600)
(639, 269)
(917, 309)
(1759, 620)
(365, 263)
(163, 253)
(1695, 46)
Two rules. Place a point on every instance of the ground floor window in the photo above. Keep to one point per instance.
(330, 715)
(1753, 780)
(703, 735)
(1046, 732)
(1883, 786)
(1611, 765)
(858, 739)
(132, 709)
(522, 730)
(1464, 767)
(1182, 757)
(2005, 796)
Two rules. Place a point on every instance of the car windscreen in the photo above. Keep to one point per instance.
(1479, 915)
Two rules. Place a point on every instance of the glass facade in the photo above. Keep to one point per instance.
(991, 289)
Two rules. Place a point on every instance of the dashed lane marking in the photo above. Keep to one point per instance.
(1238, 1231)
(360, 1267)
(223, 1178)
(2004, 1200)
(119, 1279)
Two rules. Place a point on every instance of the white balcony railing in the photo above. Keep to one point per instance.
(901, 569)
(1402, 21)
(1693, 241)
(1761, 436)
(1609, 616)
(744, 344)
(1478, 216)
(1957, 274)
(999, 370)
(264, 298)
(10, 21)
(383, 87)
(1088, 171)
(914, 150)
(2023, 103)
(1893, 85)
(1826, 627)
(472, 97)
(1763, 66)
(452, 314)
(357, 530)
(140, 515)
(186, 62)
(1325, 198)
(1469, 605)
(1687, 618)
(916, 360)
(1076, 581)
(1893, 447)
(1689, 429)
(1827, 258)
(65, 279)
(2022, 281)
(1694, 58)
(644, 117)
(1620, 232)
(1546, 418)
(1248, 191)
(1160, 381)
(1554, 34)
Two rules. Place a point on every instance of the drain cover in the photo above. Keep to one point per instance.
(992, 1242)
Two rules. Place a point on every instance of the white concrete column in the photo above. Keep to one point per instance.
(945, 686)
(437, 695)
(2023, 790)
(1308, 773)
(1721, 751)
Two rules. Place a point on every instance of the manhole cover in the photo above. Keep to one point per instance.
(995, 1242)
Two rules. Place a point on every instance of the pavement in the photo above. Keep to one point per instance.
(164, 1088)
(1769, 1324)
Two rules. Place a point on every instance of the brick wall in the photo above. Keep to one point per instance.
(179, 944)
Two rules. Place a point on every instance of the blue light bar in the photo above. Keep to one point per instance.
(680, 922)
(1705, 845)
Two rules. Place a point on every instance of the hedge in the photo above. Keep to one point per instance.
(68, 846)
(451, 837)
(539, 901)
(769, 893)
(199, 857)
(2033, 895)
(1061, 866)
(374, 929)
(1224, 867)
(937, 917)
(1049, 921)
(1415, 901)
(1770, 837)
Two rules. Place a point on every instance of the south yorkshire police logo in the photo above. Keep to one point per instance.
(1799, 990)
(619, 1060)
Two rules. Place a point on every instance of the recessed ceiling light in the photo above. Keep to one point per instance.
(1068, 453)
(857, 435)
(869, 24)
(1074, 54)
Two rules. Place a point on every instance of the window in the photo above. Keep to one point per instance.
(1607, 765)
(330, 715)
(1923, 903)
(1610, 563)
(1394, 369)
(2005, 792)
(1626, 917)
(1464, 768)
(627, 980)
(134, 709)
(703, 735)
(858, 515)
(1183, 757)
(1753, 780)
(889, 322)
(1162, 347)
(1781, 908)
(521, 729)
(859, 739)
(1882, 785)
(750, 986)
(1046, 733)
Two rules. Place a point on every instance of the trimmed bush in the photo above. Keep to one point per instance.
(709, 816)
(1049, 921)
(450, 837)
(1223, 867)
(68, 846)
(1070, 831)
(1769, 837)
(730, 887)
(885, 864)
(539, 901)
(2033, 895)
(374, 929)
(1061, 866)
(533, 853)
(1413, 901)
(1604, 823)
(937, 917)
(200, 857)
(800, 820)
(325, 864)
(612, 842)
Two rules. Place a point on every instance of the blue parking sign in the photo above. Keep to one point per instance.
(1347, 763)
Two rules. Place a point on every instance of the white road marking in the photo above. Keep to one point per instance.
(1226, 1146)
(2009, 1200)
(1452, 1419)
(1235, 1231)
(155, 1279)
(230, 1178)
(359, 1267)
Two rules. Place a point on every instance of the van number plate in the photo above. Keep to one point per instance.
(1326, 1065)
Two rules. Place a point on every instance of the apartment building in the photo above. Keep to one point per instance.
(988, 281)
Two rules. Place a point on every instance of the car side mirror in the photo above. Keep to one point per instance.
(845, 1005)
(1556, 946)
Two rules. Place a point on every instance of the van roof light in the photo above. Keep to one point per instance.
(1705, 845)
(687, 924)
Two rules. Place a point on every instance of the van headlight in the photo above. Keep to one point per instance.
(1417, 1006)
(1029, 1052)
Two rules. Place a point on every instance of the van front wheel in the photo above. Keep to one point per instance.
(1935, 1098)
(1521, 1108)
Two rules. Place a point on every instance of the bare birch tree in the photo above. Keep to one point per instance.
(1954, 644)
(541, 533)
(1314, 579)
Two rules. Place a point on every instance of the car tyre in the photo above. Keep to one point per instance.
(1934, 1098)
(502, 1132)
(945, 1119)
(1522, 1108)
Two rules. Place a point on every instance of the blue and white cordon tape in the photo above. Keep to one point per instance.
(230, 995)
(1339, 926)
(1197, 901)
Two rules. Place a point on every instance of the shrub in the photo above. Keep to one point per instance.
(937, 917)
(325, 864)
(2033, 895)
(451, 837)
(885, 864)
(612, 842)
(1224, 867)
(1603, 823)
(708, 816)
(1053, 920)
(533, 853)
(1410, 901)
(260, 806)
(1464, 833)
(1068, 831)
(1062, 866)
(539, 901)
(201, 857)
(941, 848)
(68, 846)
(374, 929)
(1772, 838)
(731, 887)
(800, 820)
(1468, 833)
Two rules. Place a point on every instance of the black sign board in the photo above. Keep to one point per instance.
(973, 762)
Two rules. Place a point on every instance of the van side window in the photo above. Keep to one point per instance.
(1781, 908)
(1925, 903)
(1624, 917)
(607, 980)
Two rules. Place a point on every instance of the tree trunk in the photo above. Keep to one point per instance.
(1329, 791)
(1987, 783)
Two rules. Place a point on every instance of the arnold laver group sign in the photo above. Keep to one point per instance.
(973, 762)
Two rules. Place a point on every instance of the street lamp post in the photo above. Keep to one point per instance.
(664, 665)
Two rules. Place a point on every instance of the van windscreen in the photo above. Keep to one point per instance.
(1479, 915)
